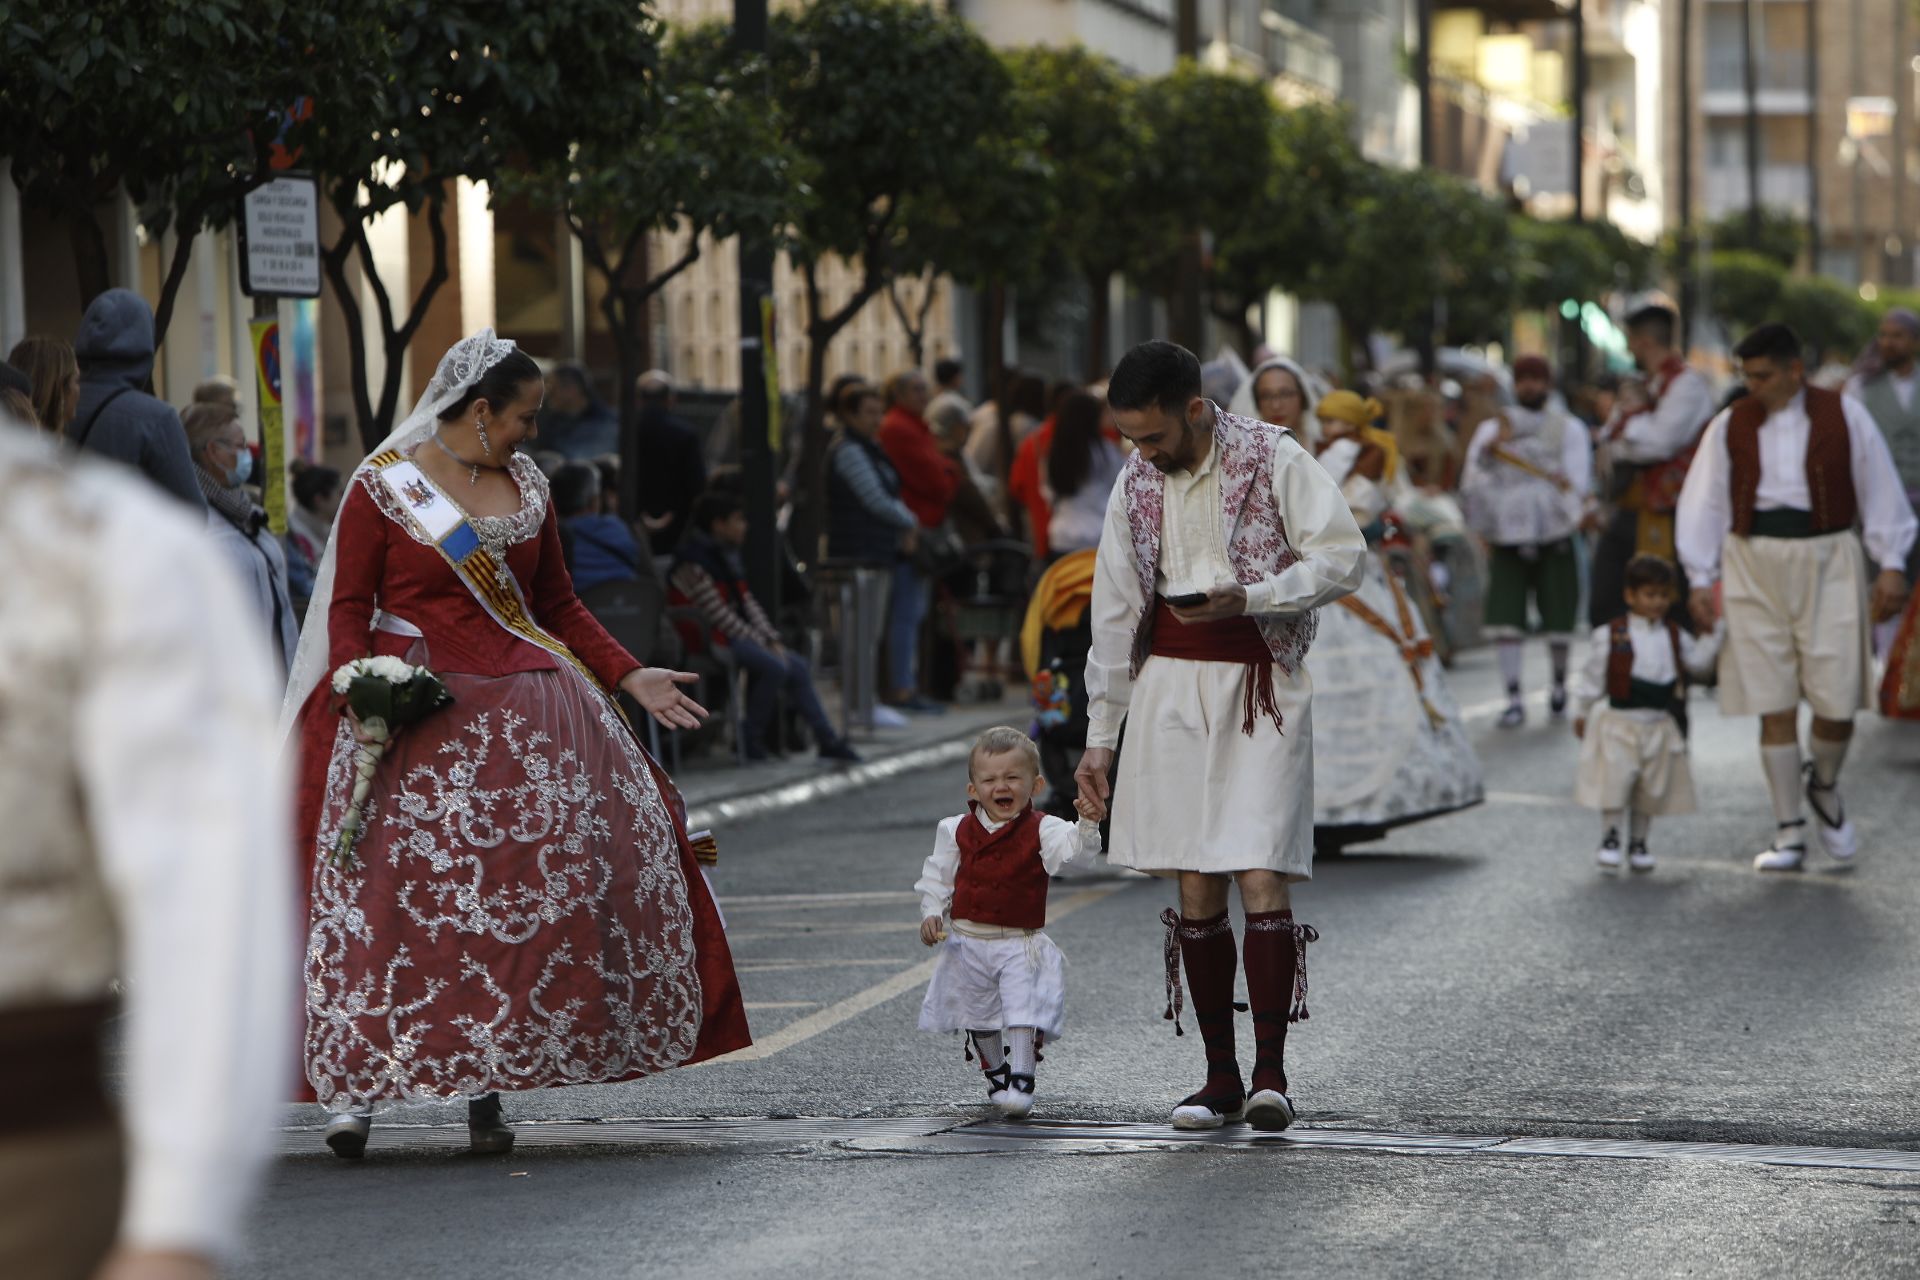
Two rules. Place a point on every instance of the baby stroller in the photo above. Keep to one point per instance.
(1054, 642)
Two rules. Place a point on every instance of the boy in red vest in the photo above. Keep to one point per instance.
(1781, 482)
(1630, 703)
(983, 901)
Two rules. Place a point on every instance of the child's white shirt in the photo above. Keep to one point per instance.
(1652, 658)
(1061, 842)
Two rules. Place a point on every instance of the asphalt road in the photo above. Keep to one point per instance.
(1475, 977)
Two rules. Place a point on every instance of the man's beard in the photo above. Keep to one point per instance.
(1533, 404)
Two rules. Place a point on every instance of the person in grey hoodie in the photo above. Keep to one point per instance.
(116, 417)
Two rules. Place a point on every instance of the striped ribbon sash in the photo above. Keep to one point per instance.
(447, 527)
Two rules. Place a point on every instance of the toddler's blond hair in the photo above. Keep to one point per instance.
(1001, 740)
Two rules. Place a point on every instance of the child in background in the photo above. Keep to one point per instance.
(983, 901)
(1630, 714)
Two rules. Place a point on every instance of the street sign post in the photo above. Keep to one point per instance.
(280, 239)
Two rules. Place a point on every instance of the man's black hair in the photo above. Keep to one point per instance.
(1656, 321)
(1776, 342)
(1155, 373)
(1646, 570)
(576, 489)
(713, 506)
(946, 369)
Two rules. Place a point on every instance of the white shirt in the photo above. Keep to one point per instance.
(1705, 515)
(175, 760)
(1193, 557)
(1652, 658)
(1671, 425)
(1060, 843)
(1514, 508)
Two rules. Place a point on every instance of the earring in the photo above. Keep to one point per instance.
(480, 429)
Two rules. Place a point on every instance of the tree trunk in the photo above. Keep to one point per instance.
(90, 260)
(1099, 323)
(333, 260)
(176, 275)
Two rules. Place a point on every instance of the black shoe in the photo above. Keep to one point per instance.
(487, 1133)
(1557, 701)
(842, 750)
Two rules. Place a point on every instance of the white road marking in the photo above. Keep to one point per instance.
(800, 1030)
(761, 901)
(780, 1004)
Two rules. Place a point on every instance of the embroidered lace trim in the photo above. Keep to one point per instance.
(496, 533)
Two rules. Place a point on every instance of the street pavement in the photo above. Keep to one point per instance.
(1476, 978)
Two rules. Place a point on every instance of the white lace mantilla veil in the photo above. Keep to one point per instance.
(463, 365)
(1312, 387)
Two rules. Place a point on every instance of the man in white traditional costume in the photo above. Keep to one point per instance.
(144, 811)
(1525, 487)
(1647, 447)
(1769, 513)
(1222, 539)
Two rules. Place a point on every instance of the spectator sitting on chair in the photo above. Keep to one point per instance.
(600, 548)
(707, 571)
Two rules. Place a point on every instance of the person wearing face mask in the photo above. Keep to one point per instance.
(1524, 487)
(223, 464)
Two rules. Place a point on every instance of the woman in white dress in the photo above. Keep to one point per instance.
(1388, 743)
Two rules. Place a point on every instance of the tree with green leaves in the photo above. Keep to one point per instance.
(696, 152)
(886, 103)
(470, 89)
(178, 103)
(1742, 288)
(1210, 154)
(1414, 237)
(1090, 130)
(1287, 238)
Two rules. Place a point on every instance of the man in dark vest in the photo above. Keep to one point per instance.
(1769, 512)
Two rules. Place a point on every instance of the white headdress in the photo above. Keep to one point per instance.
(463, 366)
(1311, 390)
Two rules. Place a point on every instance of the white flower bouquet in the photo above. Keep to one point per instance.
(385, 695)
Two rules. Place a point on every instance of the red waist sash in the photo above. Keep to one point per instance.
(1227, 640)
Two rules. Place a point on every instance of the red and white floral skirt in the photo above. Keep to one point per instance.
(522, 910)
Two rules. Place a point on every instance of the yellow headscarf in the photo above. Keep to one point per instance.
(1348, 407)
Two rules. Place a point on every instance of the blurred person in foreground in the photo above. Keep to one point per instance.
(50, 365)
(115, 416)
(223, 465)
(1222, 541)
(140, 788)
(673, 470)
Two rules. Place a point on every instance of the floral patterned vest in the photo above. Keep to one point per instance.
(1256, 531)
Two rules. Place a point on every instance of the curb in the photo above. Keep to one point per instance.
(790, 795)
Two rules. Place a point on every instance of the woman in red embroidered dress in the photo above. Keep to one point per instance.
(523, 910)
